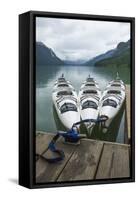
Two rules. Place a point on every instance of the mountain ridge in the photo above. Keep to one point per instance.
(118, 56)
(46, 56)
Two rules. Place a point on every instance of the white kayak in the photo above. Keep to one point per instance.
(112, 101)
(65, 101)
(61, 80)
(89, 97)
(116, 83)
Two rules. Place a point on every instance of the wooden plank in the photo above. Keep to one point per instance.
(48, 172)
(42, 141)
(114, 162)
(83, 163)
(128, 110)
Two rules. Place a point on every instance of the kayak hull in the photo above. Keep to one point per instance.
(66, 96)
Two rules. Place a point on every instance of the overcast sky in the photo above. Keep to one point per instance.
(80, 39)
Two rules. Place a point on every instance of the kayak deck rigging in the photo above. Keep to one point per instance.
(92, 160)
(71, 136)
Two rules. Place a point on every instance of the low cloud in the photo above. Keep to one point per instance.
(80, 39)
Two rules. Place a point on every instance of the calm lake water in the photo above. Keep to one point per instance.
(46, 116)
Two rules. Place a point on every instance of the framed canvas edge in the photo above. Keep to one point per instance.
(24, 94)
(32, 15)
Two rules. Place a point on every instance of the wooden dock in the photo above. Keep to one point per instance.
(89, 160)
(128, 112)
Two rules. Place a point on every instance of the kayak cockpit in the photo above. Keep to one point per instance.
(63, 85)
(68, 107)
(90, 92)
(110, 102)
(64, 93)
(89, 104)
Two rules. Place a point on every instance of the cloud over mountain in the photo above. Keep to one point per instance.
(80, 39)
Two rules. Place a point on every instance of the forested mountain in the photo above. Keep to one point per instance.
(119, 56)
(46, 56)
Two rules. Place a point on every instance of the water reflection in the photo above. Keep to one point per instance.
(77, 74)
(114, 132)
(46, 118)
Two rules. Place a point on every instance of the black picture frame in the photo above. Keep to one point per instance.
(27, 97)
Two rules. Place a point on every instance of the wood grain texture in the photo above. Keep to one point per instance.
(90, 160)
(128, 110)
(42, 141)
(114, 162)
(83, 163)
(49, 172)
